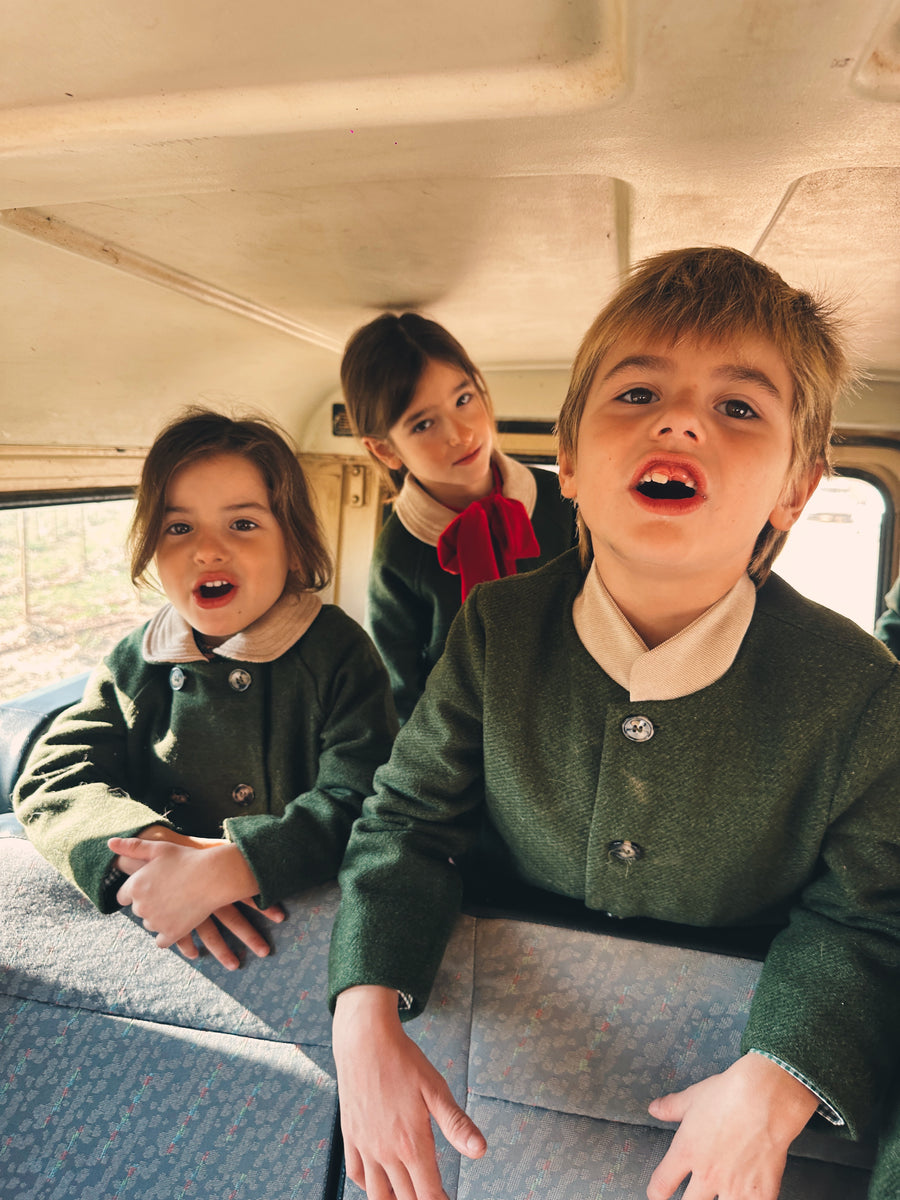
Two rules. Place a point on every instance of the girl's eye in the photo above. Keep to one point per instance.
(421, 426)
(244, 525)
(739, 409)
(638, 396)
(464, 399)
(178, 528)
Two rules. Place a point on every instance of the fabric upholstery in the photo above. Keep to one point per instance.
(127, 1070)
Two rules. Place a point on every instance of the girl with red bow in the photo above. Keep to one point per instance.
(463, 511)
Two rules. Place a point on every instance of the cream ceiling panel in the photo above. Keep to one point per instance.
(91, 354)
(838, 232)
(119, 48)
(516, 266)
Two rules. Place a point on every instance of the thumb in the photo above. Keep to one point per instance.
(459, 1129)
(669, 1108)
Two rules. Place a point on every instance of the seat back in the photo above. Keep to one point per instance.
(22, 721)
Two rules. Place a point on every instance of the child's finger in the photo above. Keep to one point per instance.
(188, 947)
(211, 937)
(133, 847)
(233, 919)
(130, 865)
(274, 912)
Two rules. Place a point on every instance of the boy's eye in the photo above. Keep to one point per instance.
(638, 396)
(739, 409)
(178, 528)
(244, 525)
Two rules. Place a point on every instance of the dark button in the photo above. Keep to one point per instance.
(240, 679)
(625, 851)
(177, 796)
(243, 793)
(638, 729)
(176, 679)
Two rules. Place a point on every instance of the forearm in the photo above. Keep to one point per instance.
(389, 1094)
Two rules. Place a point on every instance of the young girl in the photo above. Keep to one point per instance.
(464, 512)
(244, 707)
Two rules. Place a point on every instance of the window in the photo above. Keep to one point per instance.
(65, 593)
(834, 553)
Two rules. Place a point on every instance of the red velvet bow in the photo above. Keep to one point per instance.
(486, 539)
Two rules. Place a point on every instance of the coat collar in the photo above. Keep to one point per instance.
(168, 638)
(686, 663)
(426, 518)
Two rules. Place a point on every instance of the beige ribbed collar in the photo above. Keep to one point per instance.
(426, 518)
(691, 660)
(169, 638)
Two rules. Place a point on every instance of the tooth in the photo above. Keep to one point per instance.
(658, 477)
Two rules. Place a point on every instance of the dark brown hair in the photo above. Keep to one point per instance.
(381, 368)
(200, 433)
(715, 294)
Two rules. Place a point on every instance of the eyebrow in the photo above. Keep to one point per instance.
(464, 385)
(730, 372)
(240, 506)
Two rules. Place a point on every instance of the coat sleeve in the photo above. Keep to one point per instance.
(401, 622)
(400, 885)
(829, 992)
(304, 846)
(73, 793)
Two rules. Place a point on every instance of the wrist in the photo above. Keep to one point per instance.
(367, 1007)
(230, 873)
(788, 1099)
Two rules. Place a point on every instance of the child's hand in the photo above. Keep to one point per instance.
(389, 1092)
(175, 887)
(734, 1134)
(232, 918)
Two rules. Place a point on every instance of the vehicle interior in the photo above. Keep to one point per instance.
(198, 205)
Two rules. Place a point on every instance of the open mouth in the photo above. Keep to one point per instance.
(215, 589)
(667, 483)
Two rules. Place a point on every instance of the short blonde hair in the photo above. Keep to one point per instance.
(715, 294)
(381, 368)
(200, 433)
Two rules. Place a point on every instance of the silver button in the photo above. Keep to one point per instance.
(239, 679)
(625, 851)
(243, 793)
(176, 679)
(638, 729)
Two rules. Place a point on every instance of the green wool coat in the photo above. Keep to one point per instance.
(282, 766)
(770, 796)
(412, 600)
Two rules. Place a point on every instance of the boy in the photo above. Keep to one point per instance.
(654, 726)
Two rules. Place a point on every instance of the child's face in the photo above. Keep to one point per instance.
(445, 437)
(221, 558)
(683, 454)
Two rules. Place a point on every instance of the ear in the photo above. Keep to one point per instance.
(382, 449)
(792, 501)
(567, 484)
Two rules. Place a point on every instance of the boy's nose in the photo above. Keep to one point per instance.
(680, 419)
(683, 428)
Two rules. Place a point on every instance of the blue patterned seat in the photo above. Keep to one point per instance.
(129, 1071)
